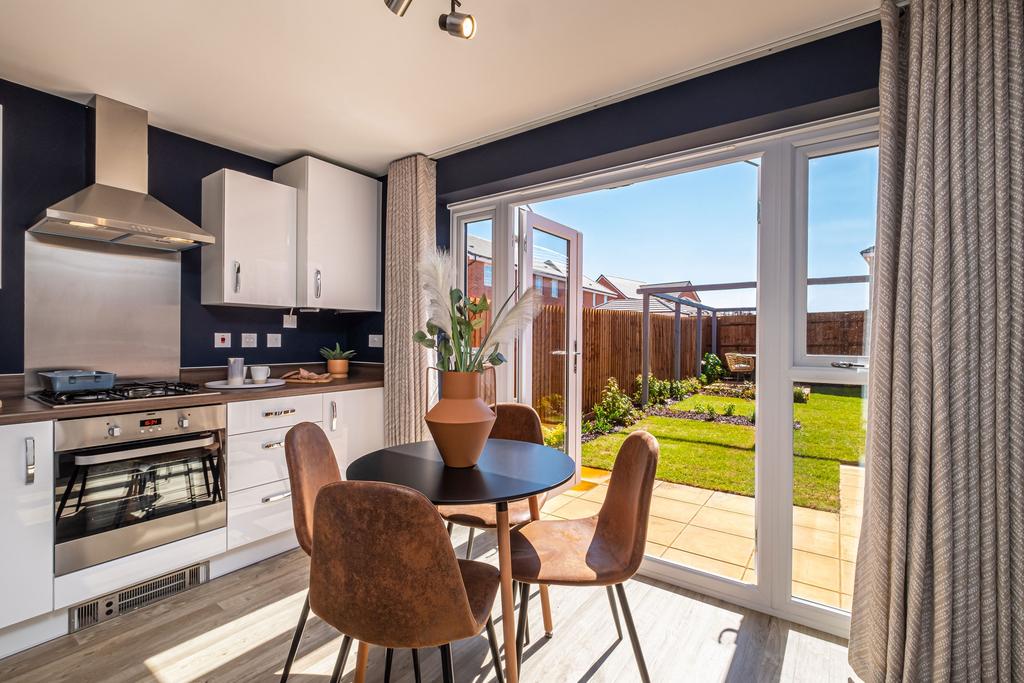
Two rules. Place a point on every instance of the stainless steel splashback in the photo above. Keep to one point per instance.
(98, 306)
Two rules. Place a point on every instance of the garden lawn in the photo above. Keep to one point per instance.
(720, 456)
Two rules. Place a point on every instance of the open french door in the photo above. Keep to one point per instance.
(550, 257)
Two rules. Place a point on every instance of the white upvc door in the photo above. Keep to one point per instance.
(550, 357)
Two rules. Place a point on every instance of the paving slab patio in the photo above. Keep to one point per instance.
(713, 531)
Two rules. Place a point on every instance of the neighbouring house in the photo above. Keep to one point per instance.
(629, 299)
(549, 273)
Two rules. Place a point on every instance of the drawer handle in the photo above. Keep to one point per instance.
(273, 444)
(278, 413)
(274, 497)
(30, 460)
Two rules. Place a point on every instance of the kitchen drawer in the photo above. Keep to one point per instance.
(259, 512)
(256, 458)
(273, 413)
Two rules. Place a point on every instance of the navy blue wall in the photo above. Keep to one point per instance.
(841, 70)
(45, 159)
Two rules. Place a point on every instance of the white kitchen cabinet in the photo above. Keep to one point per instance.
(354, 422)
(26, 521)
(337, 235)
(252, 262)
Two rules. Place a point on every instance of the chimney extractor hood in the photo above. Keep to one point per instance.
(117, 207)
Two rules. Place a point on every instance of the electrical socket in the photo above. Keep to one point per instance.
(376, 341)
(248, 340)
(273, 341)
(221, 340)
(290, 321)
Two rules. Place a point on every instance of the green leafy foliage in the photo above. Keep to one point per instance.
(336, 353)
(712, 369)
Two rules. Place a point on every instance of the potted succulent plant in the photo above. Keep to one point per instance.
(337, 360)
(461, 420)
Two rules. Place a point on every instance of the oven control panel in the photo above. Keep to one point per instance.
(89, 432)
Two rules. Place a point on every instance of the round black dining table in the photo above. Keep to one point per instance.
(507, 471)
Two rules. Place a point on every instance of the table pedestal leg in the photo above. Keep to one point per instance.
(362, 657)
(508, 619)
(545, 600)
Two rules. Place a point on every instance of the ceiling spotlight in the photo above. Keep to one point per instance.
(458, 24)
(398, 6)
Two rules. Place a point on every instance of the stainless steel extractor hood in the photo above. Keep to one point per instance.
(118, 208)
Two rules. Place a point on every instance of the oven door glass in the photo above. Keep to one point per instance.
(101, 490)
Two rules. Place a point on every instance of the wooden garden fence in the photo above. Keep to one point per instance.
(611, 346)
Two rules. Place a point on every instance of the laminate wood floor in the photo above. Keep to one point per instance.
(238, 628)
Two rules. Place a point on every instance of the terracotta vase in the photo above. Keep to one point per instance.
(338, 367)
(461, 421)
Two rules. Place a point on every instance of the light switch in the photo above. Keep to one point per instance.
(273, 341)
(248, 340)
(376, 341)
(221, 340)
(290, 321)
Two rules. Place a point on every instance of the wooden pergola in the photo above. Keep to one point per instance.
(669, 292)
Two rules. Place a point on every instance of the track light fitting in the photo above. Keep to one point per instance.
(398, 6)
(458, 24)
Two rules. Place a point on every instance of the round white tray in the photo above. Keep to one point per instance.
(249, 384)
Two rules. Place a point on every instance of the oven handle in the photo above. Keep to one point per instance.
(131, 454)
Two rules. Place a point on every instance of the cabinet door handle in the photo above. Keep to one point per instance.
(274, 497)
(316, 283)
(334, 416)
(30, 460)
(278, 413)
(273, 444)
(238, 277)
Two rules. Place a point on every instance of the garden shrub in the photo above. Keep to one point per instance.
(615, 408)
(554, 435)
(800, 394)
(551, 407)
(659, 391)
(712, 369)
(730, 410)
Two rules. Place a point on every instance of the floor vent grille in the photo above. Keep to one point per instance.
(132, 598)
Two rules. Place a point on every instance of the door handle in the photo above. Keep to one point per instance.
(30, 460)
(274, 497)
(238, 277)
(334, 416)
(316, 283)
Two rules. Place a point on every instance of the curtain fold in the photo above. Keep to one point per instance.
(939, 590)
(410, 233)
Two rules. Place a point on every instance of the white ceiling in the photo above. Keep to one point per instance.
(349, 81)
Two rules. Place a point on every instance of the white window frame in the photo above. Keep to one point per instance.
(817, 367)
(776, 338)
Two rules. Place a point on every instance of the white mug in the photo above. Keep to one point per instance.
(260, 373)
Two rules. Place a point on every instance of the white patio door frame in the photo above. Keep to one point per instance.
(777, 275)
(528, 222)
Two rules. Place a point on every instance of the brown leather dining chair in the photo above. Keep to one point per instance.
(383, 571)
(517, 422)
(603, 550)
(311, 466)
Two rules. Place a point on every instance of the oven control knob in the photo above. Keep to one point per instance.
(183, 422)
(114, 430)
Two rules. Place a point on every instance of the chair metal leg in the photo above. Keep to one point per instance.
(469, 545)
(295, 640)
(524, 605)
(447, 670)
(416, 665)
(615, 610)
(492, 638)
(339, 666)
(633, 638)
(388, 656)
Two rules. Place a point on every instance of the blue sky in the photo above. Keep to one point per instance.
(702, 226)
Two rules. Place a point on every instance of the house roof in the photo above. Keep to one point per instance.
(657, 306)
(545, 262)
(628, 287)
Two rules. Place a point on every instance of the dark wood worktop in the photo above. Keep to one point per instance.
(18, 409)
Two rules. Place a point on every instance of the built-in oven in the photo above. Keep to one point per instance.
(130, 482)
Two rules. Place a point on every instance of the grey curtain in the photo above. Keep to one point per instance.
(410, 233)
(939, 592)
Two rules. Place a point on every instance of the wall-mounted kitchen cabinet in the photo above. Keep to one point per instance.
(253, 261)
(337, 235)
